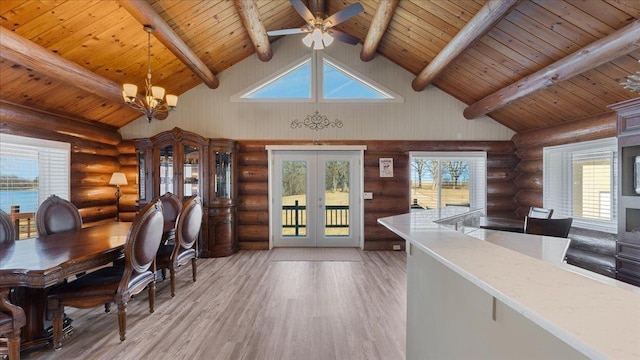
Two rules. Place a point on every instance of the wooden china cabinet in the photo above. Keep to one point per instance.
(222, 226)
(187, 164)
(628, 246)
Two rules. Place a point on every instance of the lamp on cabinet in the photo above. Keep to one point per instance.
(118, 179)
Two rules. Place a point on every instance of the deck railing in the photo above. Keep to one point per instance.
(24, 224)
(294, 216)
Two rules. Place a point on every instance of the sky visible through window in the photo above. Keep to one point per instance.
(338, 84)
(294, 85)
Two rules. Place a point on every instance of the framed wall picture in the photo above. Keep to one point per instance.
(386, 167)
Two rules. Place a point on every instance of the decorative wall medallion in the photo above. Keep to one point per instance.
(316, 122)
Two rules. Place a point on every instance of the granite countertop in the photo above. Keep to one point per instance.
(600, 318)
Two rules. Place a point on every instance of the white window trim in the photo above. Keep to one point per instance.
(259, 85)
(317, 65)
(390, 95)
(550, 200)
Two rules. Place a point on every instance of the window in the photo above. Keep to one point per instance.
(302, 80)
(295, 83)
(448, 183)
(31, 170)
(580, 181)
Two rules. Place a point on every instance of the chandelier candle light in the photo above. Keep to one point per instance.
(154, 104)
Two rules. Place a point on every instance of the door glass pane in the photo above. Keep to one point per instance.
(455, 186)
(336, 198)
(294, 198)
(191, 170)
(166, 169)
(223, 175)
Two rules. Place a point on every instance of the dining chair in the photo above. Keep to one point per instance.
(185, 246)
(12, 319)
(171, 207)
(117, 283)
(540, 213)
(7, 231)
(548, 227)
(56, 215)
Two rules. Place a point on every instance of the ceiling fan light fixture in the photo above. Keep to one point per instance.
(316, 35)
(327, 39)
(307, 40)
(318, 45)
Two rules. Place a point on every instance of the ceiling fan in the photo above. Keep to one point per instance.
(319, 27)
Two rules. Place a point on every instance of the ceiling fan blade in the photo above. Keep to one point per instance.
(343, 15)
(287, 32)
(303, 11)
(344, 37)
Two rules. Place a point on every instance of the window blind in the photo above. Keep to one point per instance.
(580, 181)
(31, 170)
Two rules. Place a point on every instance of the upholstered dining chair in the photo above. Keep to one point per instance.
(7, 231)
(116, 283)
(548, 227)
(171, 207)
(540, 213)
(185, 246)
(56, 215)
(12, 319)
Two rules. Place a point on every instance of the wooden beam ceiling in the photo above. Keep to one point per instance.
(22, 51)
(378, 27)
(146, 15)
(609, 48)
(248, 11)
(489, 15)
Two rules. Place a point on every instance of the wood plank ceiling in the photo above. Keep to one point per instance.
(102, 36)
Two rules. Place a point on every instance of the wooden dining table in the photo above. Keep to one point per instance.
(33, 265)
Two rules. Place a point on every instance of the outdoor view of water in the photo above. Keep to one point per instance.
(27, 199)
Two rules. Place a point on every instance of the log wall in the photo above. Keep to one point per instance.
(94, 156)
(529, 149)
(391, 195)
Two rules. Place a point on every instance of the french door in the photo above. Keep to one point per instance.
(316, 198)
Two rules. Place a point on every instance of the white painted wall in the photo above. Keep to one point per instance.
(427, 115)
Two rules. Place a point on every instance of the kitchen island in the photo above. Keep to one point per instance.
(487, 294)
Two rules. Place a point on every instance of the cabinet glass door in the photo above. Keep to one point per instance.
(166, 169)
(223, 175)
(191, 170)
(142, 179)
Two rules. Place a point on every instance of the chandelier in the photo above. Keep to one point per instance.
(154, 104)
(319, 38)
(633, 82)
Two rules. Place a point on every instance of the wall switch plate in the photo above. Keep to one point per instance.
(368, 195)
(396, 247)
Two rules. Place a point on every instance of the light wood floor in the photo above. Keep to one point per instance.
(247, 306)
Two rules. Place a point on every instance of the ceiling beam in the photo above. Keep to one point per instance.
(23, 51)
(248, 11)
(609, 48)
(489, 15)
(379, 24)
(146, 15)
